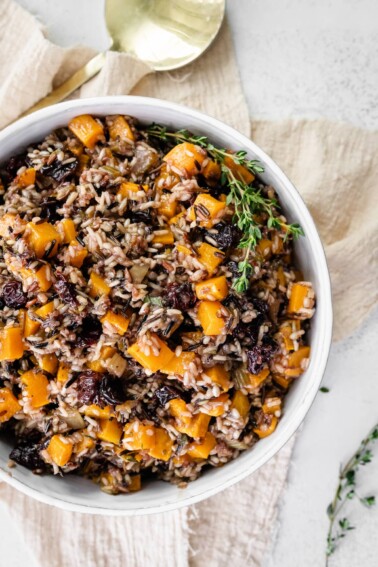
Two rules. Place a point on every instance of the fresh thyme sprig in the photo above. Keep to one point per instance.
(346, 490)
(247, 200)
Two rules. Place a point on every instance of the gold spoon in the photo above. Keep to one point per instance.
(165, 34)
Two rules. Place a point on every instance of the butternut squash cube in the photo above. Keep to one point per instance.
(68, 230)
(9, 405)
(98, 286)
(46, 310)
(119, 128)
(183, 250)
(165, 239)
(210, 256)
(219, 376)
(77, 254)
(139, 436)
(162, 448)
(217, 406)
(151, 361)
(87, 129)
(193, 425)
(118, 322)
(98, 364)
(272, 405)
(288, 328)
(135, 483)
(267, 430)
(167, 207)
(37, 388)
(128, 189)
(179, 364)
(300, 291)
(63, 373)
(206, 209)
(212, 289)
(282, 381)
(211, 317)
(60, 450)
(294, 361)
(27, 177)
(48, 363)
(264, 248)
(110, 431)
(176, 219)
(43, 277)
(187, 157)
(257, 379)
(240, 172)
(178, 408)
(44, 239)
(97, 412)
(198, 426)
(11, 344)
(87, 443)
(241, 403)
(202, 449)
(30, 326)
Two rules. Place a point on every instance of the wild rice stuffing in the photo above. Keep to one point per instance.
(125, 350)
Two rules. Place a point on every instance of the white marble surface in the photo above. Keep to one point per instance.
(316, 58)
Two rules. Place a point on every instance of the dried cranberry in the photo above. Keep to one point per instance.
(165, 393)
(59, 170)
(233, 268)
(90, 332)
(12, 294)
(112, 390)
(88, 387)
(196, 233)
(49, 210)
(27, 453)
(64, 289)
(9, 170)
(260, 355)
(260, 305)
(180, 296)
(248, 332)
(227, 235)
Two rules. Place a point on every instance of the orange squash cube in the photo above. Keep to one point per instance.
(179, 364)
(175, 220)
(151, 361)
(98, 286)
(162, 448)
(135, 483)
(212, 289)
(48, 363)
(211, 317)
(268, 429)
(98, 364)
(97, 412)
(118, 322)
(37, 388)
(139, 436)
(27, 177)
(46, 310)
(30, 326)
(282, 381)
(59, 450)
(186, 157)
(110, 431)
(240, 172)
(294, 361)
(11, 225)
(63, 373)
(217, 406)
(167, 207)
(184, 250)
(264, 248)
(77, 254)
(68, 231)
(128, 189)
(286, 329)
(207, 209)
(44, 239)
(11, 344)
(87, 129)
(210, 256)
(272, 405)
(9, 405)
(300, 291)
(219, 376)
(202, 449)
(119, 128)
(167, 238)
(257, 379)
(241, 403)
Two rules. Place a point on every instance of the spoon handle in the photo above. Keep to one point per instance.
(78, 79)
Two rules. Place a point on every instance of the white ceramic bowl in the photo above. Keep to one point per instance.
(78, 494)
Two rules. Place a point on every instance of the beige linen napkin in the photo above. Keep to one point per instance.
(236, 525)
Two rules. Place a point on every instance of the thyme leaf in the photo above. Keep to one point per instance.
(346, 490)
(247, 200)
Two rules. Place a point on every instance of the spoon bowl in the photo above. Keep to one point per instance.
(165, 34)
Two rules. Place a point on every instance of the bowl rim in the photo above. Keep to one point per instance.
(287, 428)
